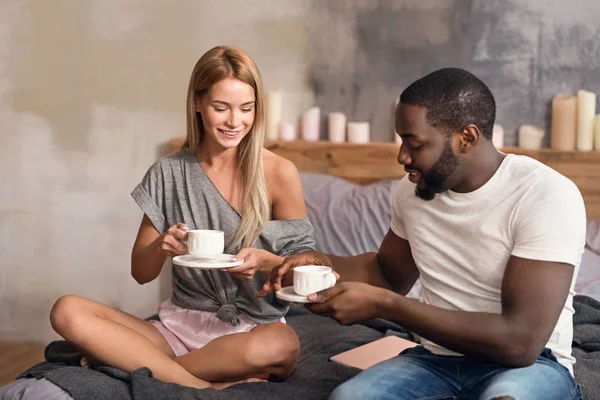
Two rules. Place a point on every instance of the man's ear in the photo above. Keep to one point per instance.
(469, 137)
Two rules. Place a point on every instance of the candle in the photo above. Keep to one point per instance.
(498, 136)
(311, 121)
(288, 131)
(586, 109)
(597, 132)
(563, 126)
(358, 132)
(337, 127)
(530, 137)
(272, 114)
(397, 138)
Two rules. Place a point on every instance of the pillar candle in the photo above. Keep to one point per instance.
(597, 132)
(272, 114)
(586, 110)
(358, 132)
(563, 126)
(530, 137)
(397, 138)
(498, 136)
(337, 127)
(311, 121)
(287, 132)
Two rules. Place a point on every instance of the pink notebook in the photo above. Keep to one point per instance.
(372, 353)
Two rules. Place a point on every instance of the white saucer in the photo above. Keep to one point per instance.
(207, 262)
(287, 293)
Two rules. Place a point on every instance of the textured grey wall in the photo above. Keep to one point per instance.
(365, 52)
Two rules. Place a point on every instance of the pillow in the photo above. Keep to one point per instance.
(593, 236)
(348, 218)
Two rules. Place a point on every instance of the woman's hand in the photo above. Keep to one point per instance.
(254, 260)
(171, 243)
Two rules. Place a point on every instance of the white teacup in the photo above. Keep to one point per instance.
(201, 242)
(310, 279)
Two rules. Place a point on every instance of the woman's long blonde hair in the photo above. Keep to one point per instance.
(216, 64)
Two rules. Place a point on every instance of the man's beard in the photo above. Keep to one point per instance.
(435, 179)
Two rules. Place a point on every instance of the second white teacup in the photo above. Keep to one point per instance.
(310, 279)
(201, 242)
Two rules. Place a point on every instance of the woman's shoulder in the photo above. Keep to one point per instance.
(285, 187)
(279, 171)
(169, 164)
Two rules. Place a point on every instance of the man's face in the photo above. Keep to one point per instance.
(426, 152)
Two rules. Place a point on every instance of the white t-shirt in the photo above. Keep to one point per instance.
(461, 242)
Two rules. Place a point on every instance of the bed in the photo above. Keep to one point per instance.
(347, 189)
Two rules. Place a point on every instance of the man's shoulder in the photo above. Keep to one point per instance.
(540, 183)
(537, 175)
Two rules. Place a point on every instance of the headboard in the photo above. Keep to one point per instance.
(368, 163)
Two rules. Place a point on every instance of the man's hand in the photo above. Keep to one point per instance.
(349, 302)
(282, 274)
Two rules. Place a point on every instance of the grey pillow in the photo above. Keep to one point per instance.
(593, 236)
(348, 218)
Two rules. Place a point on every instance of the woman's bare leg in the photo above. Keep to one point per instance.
(118, 339)
(268, 351)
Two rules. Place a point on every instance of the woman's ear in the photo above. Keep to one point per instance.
(197, 103)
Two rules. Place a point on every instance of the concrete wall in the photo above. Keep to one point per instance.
(91, 89)
(365, 52)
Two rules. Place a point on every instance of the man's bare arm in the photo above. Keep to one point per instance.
(533, 296)
(392, 267)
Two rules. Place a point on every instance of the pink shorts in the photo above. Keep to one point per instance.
(188, 330)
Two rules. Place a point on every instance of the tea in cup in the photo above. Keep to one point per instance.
(310, 279)
(201, 242)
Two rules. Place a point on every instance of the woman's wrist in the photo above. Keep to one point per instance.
(269, 261)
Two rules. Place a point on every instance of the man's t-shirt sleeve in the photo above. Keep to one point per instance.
(550, 222)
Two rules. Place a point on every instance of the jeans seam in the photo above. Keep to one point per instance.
(576, 392)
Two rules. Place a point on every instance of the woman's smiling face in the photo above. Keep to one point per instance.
(227, 111)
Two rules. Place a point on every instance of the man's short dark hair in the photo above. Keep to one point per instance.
(454, 98)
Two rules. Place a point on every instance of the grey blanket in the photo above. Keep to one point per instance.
(315, 376)
(586, 345)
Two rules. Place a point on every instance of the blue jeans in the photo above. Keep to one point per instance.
(419, 374)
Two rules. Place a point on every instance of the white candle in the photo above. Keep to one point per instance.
(288, 131)
(337, 127)
(272, 114)
(311, 121)
(586, 110)
(530, 137)
(597, 132)
(498, 136)
(358, 132)
(397, 138)
(563, 125)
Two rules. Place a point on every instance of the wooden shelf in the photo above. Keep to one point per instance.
(368, 163)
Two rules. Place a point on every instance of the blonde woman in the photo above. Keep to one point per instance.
(214, 330)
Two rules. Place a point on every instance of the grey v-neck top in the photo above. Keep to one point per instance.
(177, 190)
